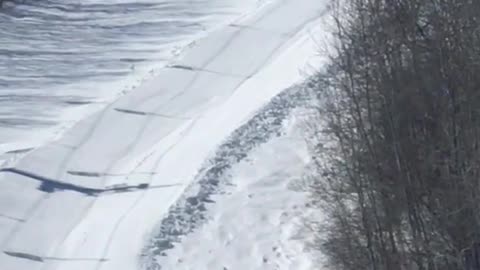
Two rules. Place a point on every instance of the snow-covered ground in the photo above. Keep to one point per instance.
(93, 198)
(61, 60)
(248, 209)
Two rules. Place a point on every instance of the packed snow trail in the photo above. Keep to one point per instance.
(90, 199)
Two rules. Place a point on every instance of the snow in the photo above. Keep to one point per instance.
(255, 224)
(57, 204)
(79, 58)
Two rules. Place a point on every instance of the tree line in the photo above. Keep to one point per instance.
(400, 106)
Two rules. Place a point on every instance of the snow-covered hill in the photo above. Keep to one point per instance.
(92, 199)
(247, 207)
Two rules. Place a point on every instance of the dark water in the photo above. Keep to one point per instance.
(60, 54)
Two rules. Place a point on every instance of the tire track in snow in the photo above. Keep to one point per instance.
(140, 197)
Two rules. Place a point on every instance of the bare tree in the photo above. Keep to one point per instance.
(401, 184)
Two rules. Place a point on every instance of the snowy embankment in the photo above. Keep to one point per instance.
(91, 199)
(247, 207)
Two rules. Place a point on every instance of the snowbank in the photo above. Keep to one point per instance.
(88, 200)
(255, 220)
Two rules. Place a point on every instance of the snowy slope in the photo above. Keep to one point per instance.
(90, 199)
(63, 60)
(246, 209)
(255, 221)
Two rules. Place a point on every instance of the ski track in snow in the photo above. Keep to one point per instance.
(190, 211)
